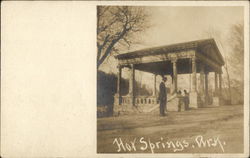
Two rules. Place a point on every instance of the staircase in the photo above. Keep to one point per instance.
(148, 107)
(172, 105)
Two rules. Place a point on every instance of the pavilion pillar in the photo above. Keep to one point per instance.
(220, 85)
(220, 89)
(154, 90)
(202, 80)
(131, 84)
(118, 97)
(202, 84)
(118, 92)
(216, 99)
(215, 83)
(193, 94)
(194, 88)
(190, 82)
(174, 79)
(206, 88)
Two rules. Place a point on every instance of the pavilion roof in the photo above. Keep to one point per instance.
(200, 45)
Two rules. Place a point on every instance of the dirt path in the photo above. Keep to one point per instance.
(205, 130)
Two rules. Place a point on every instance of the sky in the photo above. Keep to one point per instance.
(180, 24)
(174, 24)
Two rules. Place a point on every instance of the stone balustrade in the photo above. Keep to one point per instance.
(141, 100)
(138, 100)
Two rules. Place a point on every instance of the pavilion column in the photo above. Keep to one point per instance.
(190, 82)
(154, 90)
(194, 88)
(216, 99)
(118, 92)
(215, 83)
(220, 85)
(131, 84)
(174, 61)
(202, 80)
(202, 84)
(193, 94)
(206, 88)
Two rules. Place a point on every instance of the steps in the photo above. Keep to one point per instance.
(172, 105)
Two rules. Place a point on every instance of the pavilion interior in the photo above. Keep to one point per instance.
(184, 66)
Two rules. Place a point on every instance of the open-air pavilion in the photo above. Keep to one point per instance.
(202, 56)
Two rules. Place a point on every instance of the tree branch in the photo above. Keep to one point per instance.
(112, 44)
(117, 25)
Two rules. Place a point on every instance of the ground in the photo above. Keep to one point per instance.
(178, 132)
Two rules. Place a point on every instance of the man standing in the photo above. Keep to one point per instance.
(163, 96)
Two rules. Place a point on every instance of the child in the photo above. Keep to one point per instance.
(179, 100)
(186, 99)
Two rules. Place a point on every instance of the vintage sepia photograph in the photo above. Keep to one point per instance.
(124, 79)
(170, 79)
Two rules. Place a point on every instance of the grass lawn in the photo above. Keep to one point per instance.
(204, 130)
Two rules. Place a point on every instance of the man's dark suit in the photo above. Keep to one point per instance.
(162, 98)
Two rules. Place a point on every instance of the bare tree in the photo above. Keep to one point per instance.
(236, 41)
(117, 27)
(236, 59)
(213, 33)
(233, 56)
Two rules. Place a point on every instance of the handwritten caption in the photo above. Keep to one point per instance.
(143, 144)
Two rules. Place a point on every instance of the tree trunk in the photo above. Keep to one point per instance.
(228, 82)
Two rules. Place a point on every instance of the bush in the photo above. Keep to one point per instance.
(106, 89)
